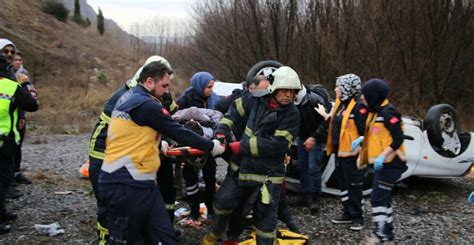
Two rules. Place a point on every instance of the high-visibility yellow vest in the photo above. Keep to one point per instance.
(377, 139)
(347, 134)
(8, 119)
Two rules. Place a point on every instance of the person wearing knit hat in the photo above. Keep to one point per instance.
(14, 97)
(382, 147)
(8, 49)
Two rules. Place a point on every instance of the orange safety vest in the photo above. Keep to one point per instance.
(377, 139)
(348, 131)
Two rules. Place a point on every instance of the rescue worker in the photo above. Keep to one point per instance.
(310, 144)
(259, 84)
(347, 122)
(99, 136)
(9, 51)
(13, 97)
(134, 208)
(199, 95)
(382, 146)
(271, 122)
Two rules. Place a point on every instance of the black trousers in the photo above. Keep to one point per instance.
(165, 180)
(135, 214)
(191, 177)
(18, 150)
(231, 194)
(351, 179)
(94, 169)
(381, 198)
(7, 164)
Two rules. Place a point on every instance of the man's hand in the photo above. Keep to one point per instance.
(218, 148)
(378, 165)
(356, 143)
(165, 147)
(309, 143)
(22, 78)
(21, 123)
(322, 111)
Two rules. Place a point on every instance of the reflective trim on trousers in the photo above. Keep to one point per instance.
(271, 234)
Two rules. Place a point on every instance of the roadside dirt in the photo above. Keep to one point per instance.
(428, 211)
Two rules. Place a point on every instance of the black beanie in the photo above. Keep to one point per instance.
(375, 92)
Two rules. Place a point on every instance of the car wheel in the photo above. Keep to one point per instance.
(265, 67)
(443, 127)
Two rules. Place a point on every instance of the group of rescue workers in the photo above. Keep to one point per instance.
(17, 96)
(133, 178)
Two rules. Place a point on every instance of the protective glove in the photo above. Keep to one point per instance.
(220, 138)
(218, 149)
(378, 165)
(356, 142)
(322, 111)
(235, 147)
(471, 197)
(165, 147)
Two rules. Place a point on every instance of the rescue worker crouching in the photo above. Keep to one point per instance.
(382, 146)
(133, 206)
(270, 123)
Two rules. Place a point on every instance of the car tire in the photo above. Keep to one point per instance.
(441, 119)
(260, 67)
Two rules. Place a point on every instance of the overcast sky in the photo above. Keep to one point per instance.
(127, 12)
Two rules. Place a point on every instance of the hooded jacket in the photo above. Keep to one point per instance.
(383, 125)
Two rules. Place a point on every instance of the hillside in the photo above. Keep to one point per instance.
(73, 68)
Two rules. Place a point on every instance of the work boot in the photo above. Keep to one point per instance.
(7, 217)
(356, 226)
(293, 224)
(209, 239)
(13, 193)
(315, 204)
(4, 228)
(305, 199)
(285, 216)
(343, 219)
(21, 179)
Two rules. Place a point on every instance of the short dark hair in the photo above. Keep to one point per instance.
(154, 70)
(256, 80)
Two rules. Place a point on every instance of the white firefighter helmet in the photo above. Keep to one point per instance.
(285, 78)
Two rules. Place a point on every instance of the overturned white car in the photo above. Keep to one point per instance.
(435, 148)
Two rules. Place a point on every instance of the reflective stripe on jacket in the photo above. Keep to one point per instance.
(129, 145)
(267, 136)
(8, 114)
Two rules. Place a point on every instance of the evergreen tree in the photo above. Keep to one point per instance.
(77, 9)
(100, 22)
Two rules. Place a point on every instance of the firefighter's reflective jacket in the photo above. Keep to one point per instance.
(266, 136)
